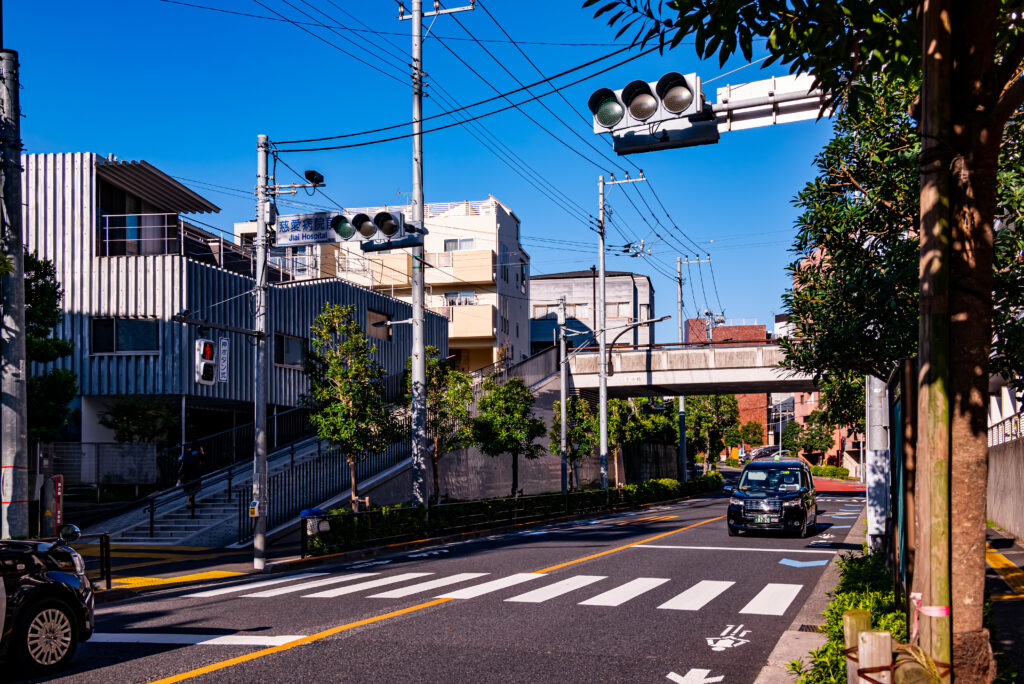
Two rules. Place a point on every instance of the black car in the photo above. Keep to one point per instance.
(774, 495)
(46, 602)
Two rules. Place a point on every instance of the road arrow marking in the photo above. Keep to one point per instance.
(802, 564)
(694, 676)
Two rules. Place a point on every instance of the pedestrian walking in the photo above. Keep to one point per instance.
(189, 474)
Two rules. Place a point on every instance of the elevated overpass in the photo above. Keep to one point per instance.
(672, 369)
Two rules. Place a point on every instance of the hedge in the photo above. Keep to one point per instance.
(345, 530)
(830, 471)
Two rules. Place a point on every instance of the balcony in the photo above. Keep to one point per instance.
(469, 266)
(470, 322)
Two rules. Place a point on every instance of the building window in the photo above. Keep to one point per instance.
(618, 310)
(459, 298)
(456, 245)
(124, 336)
(289, 351)
(581, 311)
(645, 312)
(382, 332)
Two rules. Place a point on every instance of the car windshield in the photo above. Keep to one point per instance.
(771, 480)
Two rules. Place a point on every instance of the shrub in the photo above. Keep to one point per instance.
(830, 471)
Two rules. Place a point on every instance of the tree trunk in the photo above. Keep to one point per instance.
(615, 462)
(576, 474)
(515, 475)
(352, 480)
(437, 485)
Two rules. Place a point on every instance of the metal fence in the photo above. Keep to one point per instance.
(96, 463)
(1005, 431)
(311, 483)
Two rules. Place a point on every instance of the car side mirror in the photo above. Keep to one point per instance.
(804, 490)
(727, 488)
(69, 533)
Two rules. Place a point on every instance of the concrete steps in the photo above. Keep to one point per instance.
(180, 523)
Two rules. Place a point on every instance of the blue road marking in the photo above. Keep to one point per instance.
(802, 564)
(842, 516)
(839, 527)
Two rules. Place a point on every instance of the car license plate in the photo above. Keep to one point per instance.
(765, 519)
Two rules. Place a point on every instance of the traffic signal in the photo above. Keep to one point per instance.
(659, 115)
(206, 361)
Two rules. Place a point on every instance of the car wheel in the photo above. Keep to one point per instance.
(45, 639)
(811, 527)
(733, 532)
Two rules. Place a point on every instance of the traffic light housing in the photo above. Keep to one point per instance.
(206, 361)
(658, 115)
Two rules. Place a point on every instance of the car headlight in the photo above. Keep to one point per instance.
(792, 503)
(79, 563)
(735, 502)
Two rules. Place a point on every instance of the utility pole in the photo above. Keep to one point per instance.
(602, 323)
(681, 447)
(419, 352)
(877, 475)
(563, 391)
(13, 422)
(259, 463)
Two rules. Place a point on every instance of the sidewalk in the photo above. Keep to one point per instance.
(1004, 585)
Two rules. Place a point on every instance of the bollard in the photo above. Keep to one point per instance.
(152, 516)
(854, 622)
(874, 653)
(105, 558)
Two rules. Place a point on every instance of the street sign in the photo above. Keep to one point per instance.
(296, 230)
(222, 359)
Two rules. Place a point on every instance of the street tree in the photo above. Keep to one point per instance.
(620, 413)
(752, 434)
(141, 418)
(50, 392)
(791, 436)
(449, 394)
(505, 424)
(581, 433)
(346, 391)
(970, 55)
(818, 434)
(708, 417)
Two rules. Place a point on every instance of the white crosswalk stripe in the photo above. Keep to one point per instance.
(697, 596)
(292, 588)
(493, 585)
(372, 584)
(556, 589)
(621, 594)
(774, 599)
(430, 584)
(251, 585)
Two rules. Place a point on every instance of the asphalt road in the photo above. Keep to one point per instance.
(577, 602)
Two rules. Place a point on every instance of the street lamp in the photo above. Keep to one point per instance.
(625, 329)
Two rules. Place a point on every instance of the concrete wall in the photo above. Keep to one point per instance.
(1006, 486)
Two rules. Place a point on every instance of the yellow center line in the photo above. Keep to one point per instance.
(341, 628)
(627, 546)
(292, 644)
(1010, 573)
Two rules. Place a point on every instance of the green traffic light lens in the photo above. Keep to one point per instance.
(342, 227)
(609, 112)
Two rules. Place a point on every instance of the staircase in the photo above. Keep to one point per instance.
(180, 525)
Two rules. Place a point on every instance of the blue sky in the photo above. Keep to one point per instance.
(189, 89)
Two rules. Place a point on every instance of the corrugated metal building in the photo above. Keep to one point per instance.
(128, 262)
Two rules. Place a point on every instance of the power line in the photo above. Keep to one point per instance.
(490, 99)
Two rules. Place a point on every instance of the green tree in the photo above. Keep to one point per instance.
(791, 436)
(708, 417)
(50, 392)
(141, 418)
(581, 433)
(752, 433)
(505, 424)
(346, 392)
(732, 437)
(818, 434)
(449, 395)
(620, 414)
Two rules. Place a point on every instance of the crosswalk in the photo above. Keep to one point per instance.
(688, 595)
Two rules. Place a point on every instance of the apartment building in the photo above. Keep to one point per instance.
(129, 260)
(477, 274)
(629, 298)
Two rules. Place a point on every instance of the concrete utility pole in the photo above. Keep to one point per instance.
(563, 391)
(877, 476)
(419, 352)
(13, 422)
(681, 448)
(259, 464)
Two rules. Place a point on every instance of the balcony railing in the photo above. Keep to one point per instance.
(470, 320)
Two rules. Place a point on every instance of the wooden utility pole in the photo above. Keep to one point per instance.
(932, 572)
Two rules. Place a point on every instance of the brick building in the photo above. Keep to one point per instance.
(752, 407)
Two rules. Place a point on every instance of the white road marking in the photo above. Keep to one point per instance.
(493, 585)
(697, 596)
(556, 589)
(774, 599)
(309, 585)
(727, 548)
(431, 584)
(353, 588)
(251, 585)
(193, 639)
(629, 590)
(694, 676)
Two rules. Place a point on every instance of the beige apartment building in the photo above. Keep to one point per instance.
(477, 275)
